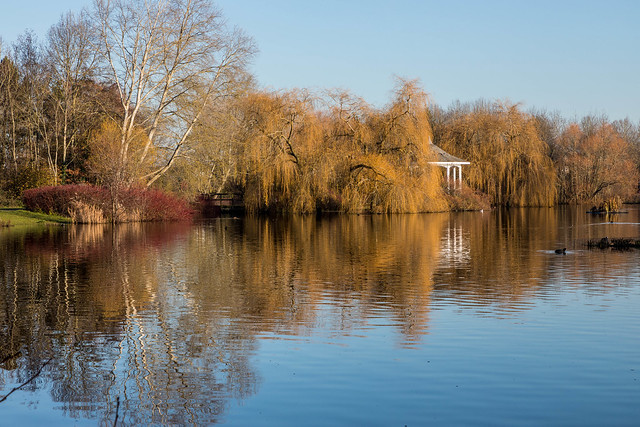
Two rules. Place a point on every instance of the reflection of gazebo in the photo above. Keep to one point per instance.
(448, 161)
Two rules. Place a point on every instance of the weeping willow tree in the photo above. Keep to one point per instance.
(280, 166)
(265, 145)
(509, 160)
(384, 161)
(286, 155)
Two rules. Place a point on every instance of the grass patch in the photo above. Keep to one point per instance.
(10, 217)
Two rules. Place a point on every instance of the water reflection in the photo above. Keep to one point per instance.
(106, 305)
(168, 318)
(279, 272)
(165, 318)
(455, 246)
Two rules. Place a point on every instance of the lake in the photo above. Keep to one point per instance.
(434, 319)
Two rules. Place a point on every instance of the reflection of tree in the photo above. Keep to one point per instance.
(279, 273)
(510, 256)
(106, 304)
(499, 266)
(167, 317)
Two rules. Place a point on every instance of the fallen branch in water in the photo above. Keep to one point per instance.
(33, 377)
(115, 422)
(620, 243)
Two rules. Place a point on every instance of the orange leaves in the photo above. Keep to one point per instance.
(594, 164)
(294, 157)
(382, 156)
(113, 162)
(280, 138)
(509, 160)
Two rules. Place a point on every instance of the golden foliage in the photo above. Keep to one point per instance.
(509, 160)
(383, 165)
(279, 148)
(286, 155)
(109, 162)
(295, 158)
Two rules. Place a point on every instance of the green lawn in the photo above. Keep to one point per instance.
(21, 217)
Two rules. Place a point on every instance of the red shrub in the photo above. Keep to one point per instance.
(132, 204)
(165, 206)
(155, 205)
(57, 199)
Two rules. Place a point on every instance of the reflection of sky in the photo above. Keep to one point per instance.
(43, 411)
(562, 361)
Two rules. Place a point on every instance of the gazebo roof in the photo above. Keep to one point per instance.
(444, 157)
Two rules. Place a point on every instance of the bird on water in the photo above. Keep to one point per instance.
(561, 251)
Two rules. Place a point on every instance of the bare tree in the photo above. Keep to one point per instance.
(169, 59)
(33, 92)
(9, 80)
(72, 62)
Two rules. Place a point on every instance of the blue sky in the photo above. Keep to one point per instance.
(577, 57)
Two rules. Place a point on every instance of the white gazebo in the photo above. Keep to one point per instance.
(451, 163)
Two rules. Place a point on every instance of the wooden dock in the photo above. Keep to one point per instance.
(215, 204)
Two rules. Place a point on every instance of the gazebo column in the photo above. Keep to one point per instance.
(448, 179)
(453, 172)
(460, 176)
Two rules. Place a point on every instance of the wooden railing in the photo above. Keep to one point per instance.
(212, 204)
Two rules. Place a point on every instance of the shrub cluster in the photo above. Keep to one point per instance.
(155, 205)
(466, 199)
(90, 204)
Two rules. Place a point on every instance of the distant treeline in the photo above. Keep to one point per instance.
(123, 96)
(539, 158)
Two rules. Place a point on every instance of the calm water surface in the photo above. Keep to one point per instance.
(346, 320)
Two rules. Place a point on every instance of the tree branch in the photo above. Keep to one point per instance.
(33, 377)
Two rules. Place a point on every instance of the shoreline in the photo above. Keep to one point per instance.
(19, 217)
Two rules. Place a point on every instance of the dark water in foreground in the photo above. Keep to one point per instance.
(348, 320)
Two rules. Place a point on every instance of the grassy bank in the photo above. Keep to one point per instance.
(10, 217)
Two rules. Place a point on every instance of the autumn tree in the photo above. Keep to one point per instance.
(382, 157)
(292, 151)
(9, 84)
(281, 141)
(595, 163)
(107, 166)
(32, 95)
(210, 160)
(509, 160)
(50, 102)
(630, 132)
(349, 156)
(24, 96)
